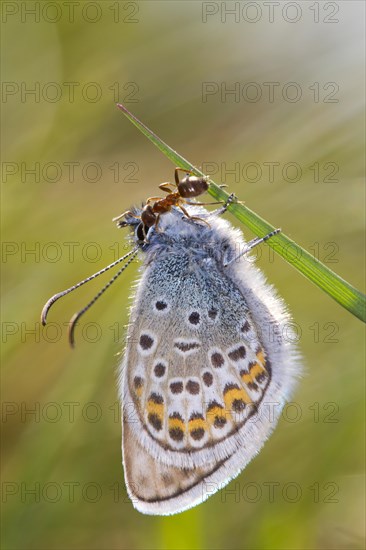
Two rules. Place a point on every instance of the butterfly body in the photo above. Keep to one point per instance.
(206, 370)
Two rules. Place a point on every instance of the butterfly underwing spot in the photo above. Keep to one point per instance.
(207, 378)
(217, 359)
(156, 399)
(248, 380)
(245, 327)
(257, 372)
(160, 368)
(161, 306)
(216, 414)
(193, 387)
(155, 411)
(237, 353)
(197, 426)
(176, 387)
(184, 346)
(194, 318)
(138, 384)
(147, 343)
(176, 427)
(235, 398)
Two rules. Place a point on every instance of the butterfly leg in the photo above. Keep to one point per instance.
(254, 242)
(231, 198)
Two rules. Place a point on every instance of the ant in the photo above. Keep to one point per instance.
(189, 187)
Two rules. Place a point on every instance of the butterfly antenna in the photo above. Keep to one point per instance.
(54, 298)
(252, 244)
(77, 316)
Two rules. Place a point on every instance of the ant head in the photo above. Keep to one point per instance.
(134, 220)
(148, 216)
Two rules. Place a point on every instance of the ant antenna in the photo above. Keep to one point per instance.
(54, 298)
(77, 315)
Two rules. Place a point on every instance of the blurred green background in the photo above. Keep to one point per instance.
(172, 64)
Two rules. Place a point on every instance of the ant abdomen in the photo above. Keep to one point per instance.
(192, 186)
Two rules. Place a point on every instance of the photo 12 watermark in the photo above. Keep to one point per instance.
(69, 171)
(269, 92)
(71, 12)
(15, 91)
(271, 12)
(271, 171)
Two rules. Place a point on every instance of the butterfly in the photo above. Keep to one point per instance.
(208, 366)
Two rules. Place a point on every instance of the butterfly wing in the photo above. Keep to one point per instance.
(197, 381)
(156, 488)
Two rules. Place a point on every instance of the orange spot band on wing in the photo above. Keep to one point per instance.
(155, 408)
(247, 378)
(236, 394)
(197, 423)
(216, 412)
(256, 369)
(261, 357)
(176, 423)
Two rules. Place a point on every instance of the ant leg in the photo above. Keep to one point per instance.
(192, 217)
(184, 211)
(167, 187)
(176, 177)
(151, 199)
(156, 222)
(203, 203)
